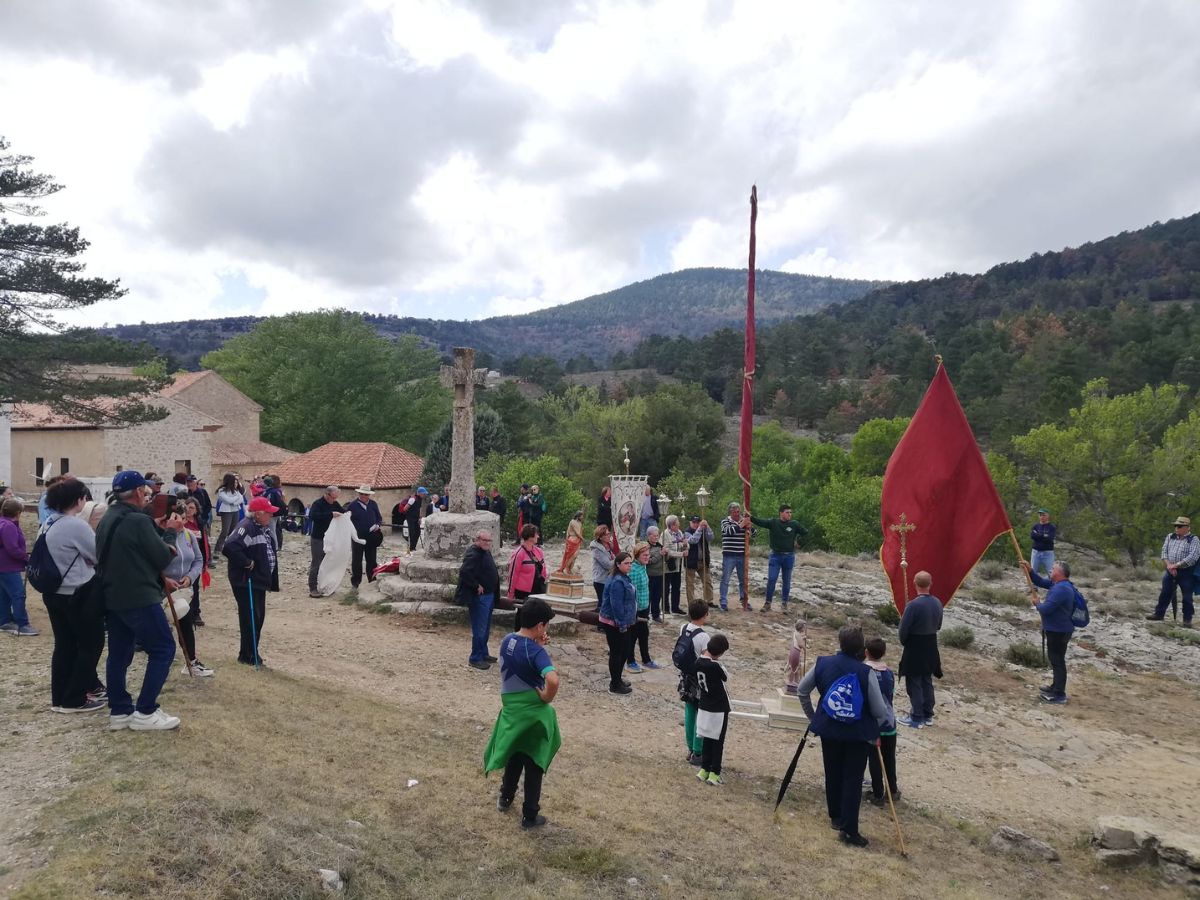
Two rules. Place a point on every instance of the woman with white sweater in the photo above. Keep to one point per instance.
(229, 505)
(185, 569)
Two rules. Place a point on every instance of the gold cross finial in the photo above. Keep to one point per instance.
(904, 528)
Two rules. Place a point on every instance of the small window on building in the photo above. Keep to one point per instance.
(39, 467)
(184, 466)
(64, 465)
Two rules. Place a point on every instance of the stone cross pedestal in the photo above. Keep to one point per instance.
(448, 534)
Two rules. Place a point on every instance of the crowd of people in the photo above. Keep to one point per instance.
(104, 568)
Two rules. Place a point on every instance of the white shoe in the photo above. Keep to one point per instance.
(155, 721)
(199, 669)
(119, 723)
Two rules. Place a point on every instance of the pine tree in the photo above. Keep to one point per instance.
(40, 359)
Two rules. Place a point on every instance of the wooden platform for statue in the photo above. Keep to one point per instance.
(569, 587)
(781, 711)
(569, 606)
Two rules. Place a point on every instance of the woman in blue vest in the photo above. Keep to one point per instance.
(847, 718)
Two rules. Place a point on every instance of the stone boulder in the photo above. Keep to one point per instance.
(448, 535)
(1121, 841)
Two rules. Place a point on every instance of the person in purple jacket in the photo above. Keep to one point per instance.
(13, 557)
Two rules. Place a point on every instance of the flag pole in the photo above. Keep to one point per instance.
(747, 423)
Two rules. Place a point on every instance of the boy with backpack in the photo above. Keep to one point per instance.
(876, 647)
(713, 718)
(692, 641)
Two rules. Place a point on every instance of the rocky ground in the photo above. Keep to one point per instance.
(1125, 744)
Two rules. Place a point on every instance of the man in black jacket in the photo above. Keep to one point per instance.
(478, 584)
(200, 495)
(920, 662)
(322, 511)
(368, 522)
(499, 506)
(253, 570)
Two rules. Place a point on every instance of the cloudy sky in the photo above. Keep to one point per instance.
(464, 158)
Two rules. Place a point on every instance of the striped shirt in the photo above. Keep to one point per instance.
(733, 536)
(1181, 551)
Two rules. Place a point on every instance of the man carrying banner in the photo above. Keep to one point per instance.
(920, 661)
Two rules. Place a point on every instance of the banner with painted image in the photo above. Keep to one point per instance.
(628, 492)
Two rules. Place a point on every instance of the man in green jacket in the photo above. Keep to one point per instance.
(132, 553)
(784, 532)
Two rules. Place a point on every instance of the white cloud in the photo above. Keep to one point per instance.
(458, 158)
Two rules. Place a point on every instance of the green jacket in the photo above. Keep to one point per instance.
(783, 534)
(132, 571)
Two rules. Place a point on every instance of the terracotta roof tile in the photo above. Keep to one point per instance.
(347, 464)
(183, 381)
(245, 452)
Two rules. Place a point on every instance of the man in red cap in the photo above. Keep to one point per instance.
(253, 570)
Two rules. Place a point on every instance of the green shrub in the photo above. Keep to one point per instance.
(887, 614)
(848, 513)
(1179, 634)
(958, 636)
(563, 499)
(1023, 653)
(999, 596)
(989, 570)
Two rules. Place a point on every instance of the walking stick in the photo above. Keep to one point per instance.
(253, 633)
(887, 789)
(179, 633)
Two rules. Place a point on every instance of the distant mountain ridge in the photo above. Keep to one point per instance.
(689, 303)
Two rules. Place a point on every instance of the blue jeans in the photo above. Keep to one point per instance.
(1185, 580)
(147, 626)
(644, 523)
(731, 562)
(777, 563)
(1042, 559)
(480, 610)
(12, 599)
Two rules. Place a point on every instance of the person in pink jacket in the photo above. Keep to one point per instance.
(526, 566)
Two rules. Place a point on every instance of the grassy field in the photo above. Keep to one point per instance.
(306, 765)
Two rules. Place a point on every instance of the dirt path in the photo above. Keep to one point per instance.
(1122, 746)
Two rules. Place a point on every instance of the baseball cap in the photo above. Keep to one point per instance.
(262, 504)
(128, 480)
(422, 490)
(695, 519)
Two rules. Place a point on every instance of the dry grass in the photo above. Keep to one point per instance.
(250, 797)
(1000, 596)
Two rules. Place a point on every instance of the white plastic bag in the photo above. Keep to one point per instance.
(337, 555)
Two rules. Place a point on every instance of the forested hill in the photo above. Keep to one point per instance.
(692, 302)
(1019, 341)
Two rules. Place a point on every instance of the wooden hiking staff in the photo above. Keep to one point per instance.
(1029, 580)
(887, 789)
(179, 632)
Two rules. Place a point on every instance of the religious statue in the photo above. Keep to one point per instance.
(797, 654)
(574, 542)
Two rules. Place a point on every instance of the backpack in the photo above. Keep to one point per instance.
(684, 655)
(1080, 617)
(843, 702)
(42, 570)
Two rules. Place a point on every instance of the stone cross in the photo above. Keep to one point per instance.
(463, 376)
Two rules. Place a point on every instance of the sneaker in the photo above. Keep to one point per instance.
(98, 694)
(1046, 689)
(535, 822)
(927, 722)
(1153, 618)
(634, 668)
(620, 689)
(910, 722)
(491, 659)
(694, 759)
(27, 631)
(504, 804)
(9, 628)
(314, 594)
(88, 706)
(766, 607)
(651, 665)
(1054, 698)
(714, 778)
(702, 775)
(626, 683)
(199, 669)
(481, 664)
(854, 840)
(723, 608)
(155, 721)
(119, 723)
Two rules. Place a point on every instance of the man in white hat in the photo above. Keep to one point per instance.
(368, 522)
(1180, 553)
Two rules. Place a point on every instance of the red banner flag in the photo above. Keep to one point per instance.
(940, 509)
(748, 369)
